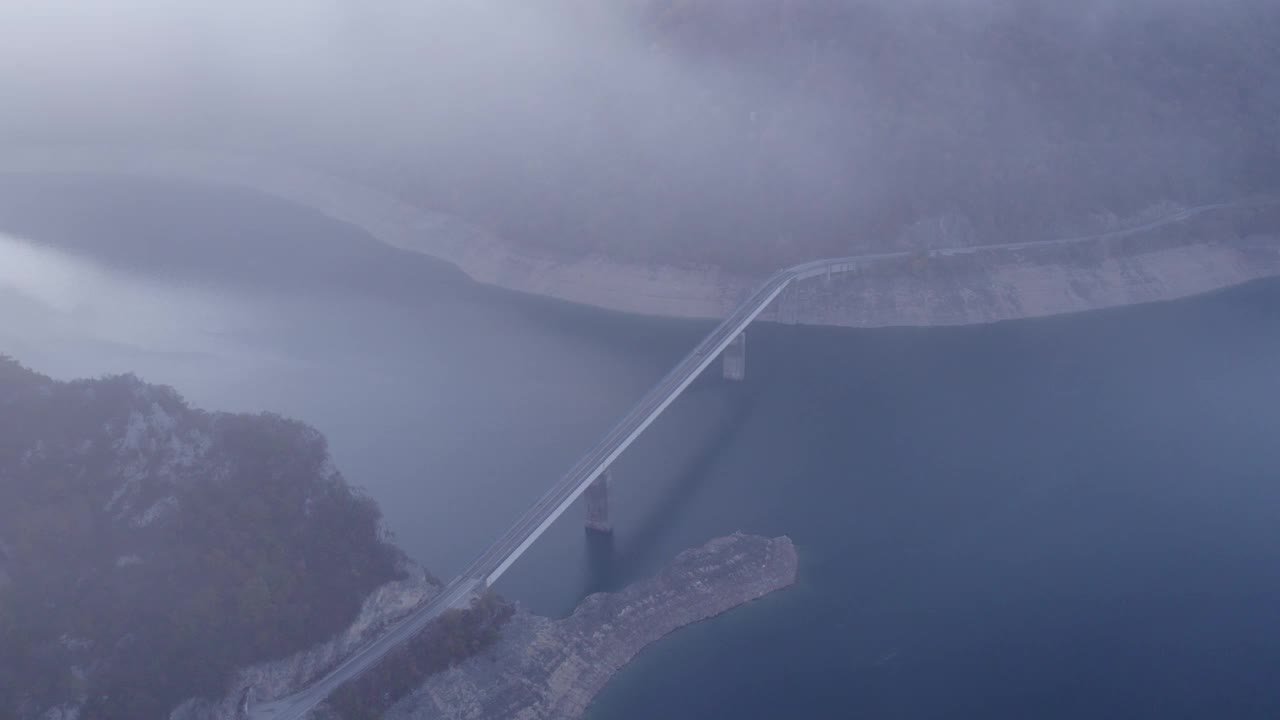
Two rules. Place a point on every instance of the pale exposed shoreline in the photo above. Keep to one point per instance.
(545, 669)
(961, 286)
(540, 668)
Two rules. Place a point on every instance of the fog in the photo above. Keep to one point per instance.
(57, 308)
(754, 133)
(1021, 504)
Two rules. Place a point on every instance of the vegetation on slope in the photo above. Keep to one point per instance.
(151, 548)
(448, 640)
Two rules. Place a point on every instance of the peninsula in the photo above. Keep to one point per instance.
(552, 669)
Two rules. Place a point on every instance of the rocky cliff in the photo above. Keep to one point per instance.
(552, 669)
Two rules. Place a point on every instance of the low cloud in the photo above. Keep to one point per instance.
(663, 128)
(46, 294)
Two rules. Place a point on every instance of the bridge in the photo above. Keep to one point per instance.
(590, 476)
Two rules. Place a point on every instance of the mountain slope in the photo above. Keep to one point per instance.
(151, 548)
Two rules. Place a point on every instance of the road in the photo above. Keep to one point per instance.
(456, 594)
(485, 570)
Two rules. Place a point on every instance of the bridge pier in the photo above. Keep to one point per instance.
(597, 497)
(735, 358)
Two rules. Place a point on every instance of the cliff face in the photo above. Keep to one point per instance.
(150, 548)
(543, 668)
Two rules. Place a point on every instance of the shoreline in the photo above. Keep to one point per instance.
(1163, 260)
(545, 669)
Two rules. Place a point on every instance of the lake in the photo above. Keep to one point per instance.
(1053, 518)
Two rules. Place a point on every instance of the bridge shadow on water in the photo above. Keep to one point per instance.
(610, 567)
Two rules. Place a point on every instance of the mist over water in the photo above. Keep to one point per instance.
(1051, 518)
(1060, 518)
(52, 299)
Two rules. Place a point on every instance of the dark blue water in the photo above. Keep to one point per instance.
(1056, 518)
(1063, 518)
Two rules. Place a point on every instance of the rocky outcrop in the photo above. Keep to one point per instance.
(543, 668)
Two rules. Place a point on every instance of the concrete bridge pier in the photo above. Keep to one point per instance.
(735, 358)
(597, 496)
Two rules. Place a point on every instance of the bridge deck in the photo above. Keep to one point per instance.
(499, 557)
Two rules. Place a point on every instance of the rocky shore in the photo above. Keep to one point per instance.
(915, 287)
(1210, 251)
(544, 668)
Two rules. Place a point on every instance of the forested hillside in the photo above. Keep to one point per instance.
(148, 548)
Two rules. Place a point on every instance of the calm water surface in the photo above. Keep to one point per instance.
(1061, 518)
